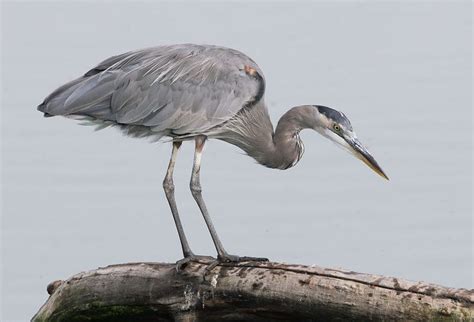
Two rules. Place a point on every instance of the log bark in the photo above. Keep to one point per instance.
(247, 292)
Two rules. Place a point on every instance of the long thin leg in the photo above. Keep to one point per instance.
(195, 186)
(196, 190)
(168, 186)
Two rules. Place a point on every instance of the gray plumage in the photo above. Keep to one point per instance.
(195, 92)
(179, 90)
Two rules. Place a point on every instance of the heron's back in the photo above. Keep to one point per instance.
(179, 90)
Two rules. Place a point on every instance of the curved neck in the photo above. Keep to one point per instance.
(288, 147)
(252, 131)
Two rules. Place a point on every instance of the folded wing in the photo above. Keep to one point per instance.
(179, 90)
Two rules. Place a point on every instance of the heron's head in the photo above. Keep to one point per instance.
(336, 127)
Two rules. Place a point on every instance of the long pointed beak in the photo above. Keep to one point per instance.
(361, 153)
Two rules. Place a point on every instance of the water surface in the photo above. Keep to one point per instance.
(74, 199)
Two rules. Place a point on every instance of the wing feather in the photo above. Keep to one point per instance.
(179, 89)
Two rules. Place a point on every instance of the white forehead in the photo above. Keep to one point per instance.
(330, 116)
(328, 123)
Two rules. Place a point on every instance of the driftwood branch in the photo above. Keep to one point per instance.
(247, 292)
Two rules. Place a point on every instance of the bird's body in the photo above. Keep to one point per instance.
(195, 92)
(163, 89)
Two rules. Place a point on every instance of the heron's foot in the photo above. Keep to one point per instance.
(193, 258)
(227, 258)
(237, 259)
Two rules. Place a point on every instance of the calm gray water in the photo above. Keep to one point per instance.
(74, 199)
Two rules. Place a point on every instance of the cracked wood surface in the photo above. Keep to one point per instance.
(247, 292)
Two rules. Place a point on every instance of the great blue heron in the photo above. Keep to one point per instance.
(196, 92)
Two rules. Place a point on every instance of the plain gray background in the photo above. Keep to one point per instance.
(75, 199)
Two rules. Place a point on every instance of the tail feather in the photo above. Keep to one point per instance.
(53, 102)
(87, 95)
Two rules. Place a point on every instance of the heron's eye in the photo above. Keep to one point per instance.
(336, 128)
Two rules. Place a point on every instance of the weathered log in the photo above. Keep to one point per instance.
(247, 292)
